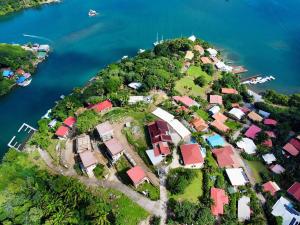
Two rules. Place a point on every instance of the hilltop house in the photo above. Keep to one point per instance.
(89, 162)
(62, 132)
(102, 106)
(114, 149)
(83, 143)
(137, 176)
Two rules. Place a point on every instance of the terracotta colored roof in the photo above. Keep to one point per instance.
(219, 125)
(216, 99)
(271, 134)
(255, 117)
(229, 91)
(220, 117)
(235, 105)
(268, 143)
(199, 124)
(99, 107)
(70, 121)
(161, 148)
(270, 122)
(87, 158)
(189, 55)
(219, 198)
(294, 190)
(225, 156)
(186, 100)
(271, 187)
(62, 131)
(114, 146)
(252, 131)
(136, 174)
(245, 109)
(191, 154)
(295, 143)
(159, 131)
(199, 49)
(291, 149)
(182, 108)
(20, 71)
(205, 60)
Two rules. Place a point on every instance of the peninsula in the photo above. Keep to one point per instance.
(170, 136)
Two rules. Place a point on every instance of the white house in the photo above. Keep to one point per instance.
(192, 38)
(247, 145)
(236, 113)
(136, 99)
(223, 67)
(162, 114)
(115, 149)
(237, 176)
(244, 209)
(212, 52)
(269, 158)
(183, 132)
(215, 109)
(105, 131)
(89, 162)
(135, 85)
(285, 209)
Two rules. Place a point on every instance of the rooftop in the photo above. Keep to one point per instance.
(294, 190)
(206, 60)
(225, 156)
(104, 128)
(237, 113)
(270, 122)
(216, 99)
(185, 100)
(191, 154)
(70, 121)
(136, 174)
(255, 117)
(220, 117)
(237, 176)
(229, 91)
(88, 159)
(252, 131)
(199, 124)
(219, 198)
(159, 131)
(99, 107)
(216, 140)
(291, 149)
(244, 211)
(219, 126)
(248, 145)
(271, 187)
(114, 146)
(62, 131)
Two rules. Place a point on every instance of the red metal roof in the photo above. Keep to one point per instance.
(186, 100)
(219, 198)
(216, 99)
(162, 148)
(219, 125)
(70, 121)
(62, 131)
(294, 190)
(295, 143)
(252, 131)
(270, 187)
(270, 122)
(225, 157)
(229, 91)
(291, 149)
(99, 107)
(191, 154)
(136, 174)
(159, 131)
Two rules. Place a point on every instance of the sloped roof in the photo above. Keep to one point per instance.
(216, 99)
(199, 124)
(114, 146)
(248, 145)
(291, 149)
(159, 131)
(225, 156)
(269, 158)
(104, 128)
(62, 131)
(191, 154)
(270, 122)
(99, 107)
(285, 209)
(244, 211)
(186, 100)
(88, 159)
(236, 112)
(161, 148)
(189, 55)
(136, 174)
(220, 117)
(255, 117)
(252, 131)
(236, 176)
(180, 128)
(219, 198)
(271, 187)
(205, 60)
(295, 143)
(199, 49)
(219, 125)
(70, 121)
(294, 190)
(278, 169)
(229, 91)
(162, 114)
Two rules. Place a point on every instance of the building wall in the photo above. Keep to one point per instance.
(89, 171)
(194, 166)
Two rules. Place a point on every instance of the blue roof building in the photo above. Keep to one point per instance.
(7, 73)
(215, 140)
(21, 80)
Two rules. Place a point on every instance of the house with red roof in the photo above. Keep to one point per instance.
(270, 122)
(220, 117)
(294, 190)
(102, 106)
(291, 149)
(225, 157)
(70, 121)
(295, 143)
(252, 131)
(137, 176)
(159, 131)
(219, 126)
(62, 132)
(186, 101)
(199, 124)
(114, 149)
(191, 155)
(161, 148)
(270, 187)
(219, 198)
(268, 143)
(216, 99)
(229, 91)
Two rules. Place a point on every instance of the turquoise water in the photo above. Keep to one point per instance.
(263, 35)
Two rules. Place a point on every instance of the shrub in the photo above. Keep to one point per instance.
(179, 179)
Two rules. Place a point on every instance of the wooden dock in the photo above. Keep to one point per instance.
(239, 69)
(249, 78)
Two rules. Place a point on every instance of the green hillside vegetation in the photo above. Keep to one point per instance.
(29, 195)
(8, 6)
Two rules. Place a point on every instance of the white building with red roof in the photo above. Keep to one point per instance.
(102, 106)
(137, 176)
(191, 155)
(62, 132)
(270, 187)
(70, 121)
(186, 101)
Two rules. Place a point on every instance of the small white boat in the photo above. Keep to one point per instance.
(92, 13)
(125, 57)
(141, 51)
(25, 83)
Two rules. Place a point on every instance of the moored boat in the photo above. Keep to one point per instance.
(92, 13)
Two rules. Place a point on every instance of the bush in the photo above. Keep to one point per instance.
(249, 157)
(99, 171)
(179, 179)
(200, 81)
(155, 220)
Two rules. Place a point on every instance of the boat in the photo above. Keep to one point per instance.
(125, 57)
(141, 51)
(92, 13)
(157, 42)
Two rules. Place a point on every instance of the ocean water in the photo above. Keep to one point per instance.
(263, 35)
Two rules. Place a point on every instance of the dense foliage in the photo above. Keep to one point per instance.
(7, 6)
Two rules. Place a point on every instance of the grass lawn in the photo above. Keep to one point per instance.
(153, 192)
(125, 210)
(257, 167)
(186, 85)
(233, 125)
(193, 191)
(122, 166)
(203, 114)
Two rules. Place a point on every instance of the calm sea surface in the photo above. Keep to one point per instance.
(263, 35)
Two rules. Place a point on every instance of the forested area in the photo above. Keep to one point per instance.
(33, 196)
(7, 6)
